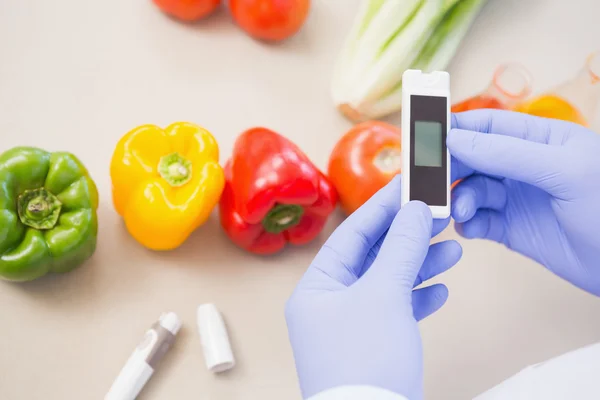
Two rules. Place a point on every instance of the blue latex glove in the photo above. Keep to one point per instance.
(532, 184)
(352, 320)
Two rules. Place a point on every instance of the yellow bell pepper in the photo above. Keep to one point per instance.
(165, 182)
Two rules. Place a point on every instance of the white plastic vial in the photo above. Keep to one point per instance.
(214, 339)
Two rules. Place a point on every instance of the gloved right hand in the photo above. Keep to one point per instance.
(532, 184)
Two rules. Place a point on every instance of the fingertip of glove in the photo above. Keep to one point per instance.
(440, 294)
(417, 206)
(451, 251)
(456, 137)
(461, 207)
(443, 292)
(422, 210)
(456, 247)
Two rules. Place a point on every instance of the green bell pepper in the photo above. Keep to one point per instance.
(48, 220)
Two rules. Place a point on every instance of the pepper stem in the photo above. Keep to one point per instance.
(175, 169)
(282, 217)
(38, 208)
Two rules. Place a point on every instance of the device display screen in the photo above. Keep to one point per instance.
(428, 163)
(428, 144)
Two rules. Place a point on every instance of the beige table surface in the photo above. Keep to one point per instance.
(76, 75)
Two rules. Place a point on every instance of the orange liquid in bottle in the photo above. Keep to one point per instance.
(575, 100)
(552, 106)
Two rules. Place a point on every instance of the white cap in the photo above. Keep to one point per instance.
(214, 338)
(171, 322)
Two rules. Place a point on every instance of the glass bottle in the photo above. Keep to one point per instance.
(575, 100)
(510, 84)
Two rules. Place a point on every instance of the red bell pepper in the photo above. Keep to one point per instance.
(273, 194)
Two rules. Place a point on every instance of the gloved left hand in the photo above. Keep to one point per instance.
(352, 320)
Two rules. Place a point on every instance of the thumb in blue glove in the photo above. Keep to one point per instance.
(352, 319)
(532, 184)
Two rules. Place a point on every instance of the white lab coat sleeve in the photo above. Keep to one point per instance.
(357, 393)
(573, 375)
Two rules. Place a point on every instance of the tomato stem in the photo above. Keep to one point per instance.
(388, 160)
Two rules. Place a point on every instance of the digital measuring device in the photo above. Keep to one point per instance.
(425, 126)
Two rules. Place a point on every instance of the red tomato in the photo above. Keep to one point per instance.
(365, 159)
(272, 20)
(188, 10)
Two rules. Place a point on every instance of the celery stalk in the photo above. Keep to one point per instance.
(447, 37)
(388, 37)
(377, 21)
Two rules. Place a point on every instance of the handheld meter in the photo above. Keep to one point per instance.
(425, 125)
